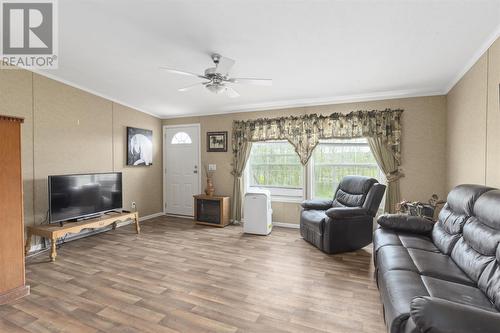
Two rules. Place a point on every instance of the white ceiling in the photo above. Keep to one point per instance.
(316, 52)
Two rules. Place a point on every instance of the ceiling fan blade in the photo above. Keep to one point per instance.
(181, 72)
(232, 93)
(258, 82)
(224, 65)
(191, 86)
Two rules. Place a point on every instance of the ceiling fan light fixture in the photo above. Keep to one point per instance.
(217, 77)
(216, 88)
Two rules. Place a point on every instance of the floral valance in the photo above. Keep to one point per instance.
(304, 132)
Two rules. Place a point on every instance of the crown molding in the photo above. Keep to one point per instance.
(472, 61)
(305, 102)
(88, 90)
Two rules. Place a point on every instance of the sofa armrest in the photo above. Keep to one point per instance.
(436, 315)
(400, 222)
(346, 212)
(317, 204)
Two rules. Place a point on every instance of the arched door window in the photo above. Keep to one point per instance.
(181, 138)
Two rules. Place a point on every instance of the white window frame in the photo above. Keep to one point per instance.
(310, 172)
(282, 194)
(279, 194)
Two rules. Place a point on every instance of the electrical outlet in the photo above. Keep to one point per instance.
(212, 167)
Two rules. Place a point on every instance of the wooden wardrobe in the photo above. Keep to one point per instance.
(12, 279)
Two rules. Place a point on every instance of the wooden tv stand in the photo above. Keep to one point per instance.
(56, 231)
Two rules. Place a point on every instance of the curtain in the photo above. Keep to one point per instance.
(241, 152)
(304, 133)
(390, 167)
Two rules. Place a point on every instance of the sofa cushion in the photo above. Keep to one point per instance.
(383, 237)
(314, 220)
(481, 236)
(397, 289)
(434, 264)
(486, 209)
(418, 242)
(454, 215)
(394, 257)
(352, 191)
(438, 265)
(406, 223)
(447, 230)
(469, 260)
(462, 198)
(451, 221)
(489, 282)
(456, 292)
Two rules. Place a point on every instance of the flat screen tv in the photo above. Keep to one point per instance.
(78, 196)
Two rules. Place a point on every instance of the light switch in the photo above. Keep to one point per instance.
(212, 167)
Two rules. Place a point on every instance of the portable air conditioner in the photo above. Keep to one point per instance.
(257, 212)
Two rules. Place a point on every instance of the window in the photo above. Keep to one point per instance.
(276, 166)
(181, 138)
(334, 159)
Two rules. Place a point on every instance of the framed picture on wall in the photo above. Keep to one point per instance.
(139, 146)
(216, 142)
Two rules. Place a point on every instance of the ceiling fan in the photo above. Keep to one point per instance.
(217, 78)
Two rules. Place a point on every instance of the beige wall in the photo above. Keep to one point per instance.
(423, 145)
(67, 130)
(473, 118)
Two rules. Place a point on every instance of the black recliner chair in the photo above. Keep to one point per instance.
(346, 222)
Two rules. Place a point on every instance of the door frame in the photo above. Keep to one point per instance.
(164, 148)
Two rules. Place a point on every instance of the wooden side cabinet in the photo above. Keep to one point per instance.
(12, 279)
(211, 210)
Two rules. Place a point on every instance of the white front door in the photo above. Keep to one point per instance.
(182, 168)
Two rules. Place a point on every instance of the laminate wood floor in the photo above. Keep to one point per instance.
(178, 277)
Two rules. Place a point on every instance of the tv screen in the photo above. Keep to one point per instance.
(77, 196)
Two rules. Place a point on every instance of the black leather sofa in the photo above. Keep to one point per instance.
(346, 222)
(442, 277)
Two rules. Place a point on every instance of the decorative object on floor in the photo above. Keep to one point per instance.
(12, 278)
(258, 212)
(346, 222)
(381, 128)
(216, 142)
(455, 260)
(55, 231)
(139, 146)
(211, 210)
(210, 189)
(417, 208)
(218, 80)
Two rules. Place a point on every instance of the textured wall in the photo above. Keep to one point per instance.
(423, 144)
(67, 130)
(473, 118)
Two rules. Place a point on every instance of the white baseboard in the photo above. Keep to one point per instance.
(38, 247)
(286, 225)
(280, 224)
(187, 217)
(152, 216)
